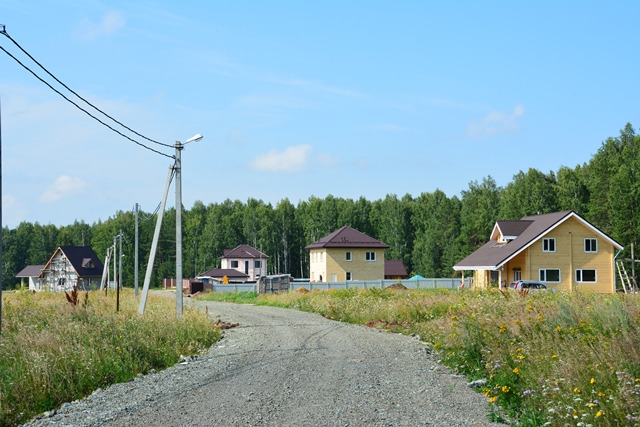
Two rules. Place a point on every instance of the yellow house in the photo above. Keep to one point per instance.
(561, 249)
(346, 254)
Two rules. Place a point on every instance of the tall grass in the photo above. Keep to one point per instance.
(549, 358)
(53, 351)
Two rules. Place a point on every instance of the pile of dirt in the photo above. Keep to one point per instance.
(398, 287)
(226, 325)
(302, 290)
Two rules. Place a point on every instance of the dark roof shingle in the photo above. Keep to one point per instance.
(347, 237)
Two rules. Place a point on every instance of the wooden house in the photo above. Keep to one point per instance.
(561, 249)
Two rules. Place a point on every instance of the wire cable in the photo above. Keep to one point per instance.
(83, 110)
(4, 32)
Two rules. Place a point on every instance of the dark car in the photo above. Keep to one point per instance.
(527, 284)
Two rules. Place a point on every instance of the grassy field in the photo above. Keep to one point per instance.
(53, 351)
(553, 359)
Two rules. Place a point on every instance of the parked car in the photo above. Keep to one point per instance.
(527, 284)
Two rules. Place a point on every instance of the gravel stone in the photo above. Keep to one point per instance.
(283, 367)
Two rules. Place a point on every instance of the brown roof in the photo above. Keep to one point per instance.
(243, 251)
(394, 267)
(528, 230)
(30, 271)
(511, 228)
(219, 273)
(347, 237)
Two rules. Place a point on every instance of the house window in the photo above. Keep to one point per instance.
(591, 245)
(548, 245)
(348, 256)
(348, 275)
(256, 264)
(517, 274)
(370, 256)
(550, 275)
(234, 264)
(585, 276)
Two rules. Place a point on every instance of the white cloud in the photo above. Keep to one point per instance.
(63, 186)
(110, 24)
(496, 122)
(292, 159)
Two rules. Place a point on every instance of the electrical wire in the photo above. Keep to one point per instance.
(4, 32)
(82, 109)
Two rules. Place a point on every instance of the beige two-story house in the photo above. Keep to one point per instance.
(561, 249)
(346, 254)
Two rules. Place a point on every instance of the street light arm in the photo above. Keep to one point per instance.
(196, 137)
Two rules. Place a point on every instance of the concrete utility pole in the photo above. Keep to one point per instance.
(2, 28)
(178, 168)
(135, 267)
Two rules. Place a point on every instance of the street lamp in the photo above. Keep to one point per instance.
(178, 171)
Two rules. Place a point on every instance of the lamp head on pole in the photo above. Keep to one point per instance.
(196, 137)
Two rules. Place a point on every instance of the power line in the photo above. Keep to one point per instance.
(3, 31)
(82, 109)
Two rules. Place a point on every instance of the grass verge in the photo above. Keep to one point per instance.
(54, 351)
(551, 359)
(244, 297)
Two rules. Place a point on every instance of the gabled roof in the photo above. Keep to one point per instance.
(79, 257)
(510, 229)
(493, 254)
(30, 271)
(219, 273)
(243, 251)
(347, 237)
(394, 267)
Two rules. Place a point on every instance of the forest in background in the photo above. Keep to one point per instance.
(429, 233)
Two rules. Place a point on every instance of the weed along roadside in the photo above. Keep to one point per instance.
(539, 358)
(59, 347)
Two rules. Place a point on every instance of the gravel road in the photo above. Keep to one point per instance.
(288, 368)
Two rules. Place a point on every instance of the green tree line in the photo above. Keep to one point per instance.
(429, 233)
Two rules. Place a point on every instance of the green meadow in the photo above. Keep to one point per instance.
(53, 350)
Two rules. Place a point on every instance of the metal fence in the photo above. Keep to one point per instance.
(436, 283)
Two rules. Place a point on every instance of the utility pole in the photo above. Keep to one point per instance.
(115, 265)
(119, 275)
(195, 259)
(178, 170)
(135, 267)
(178, 167)
(1, 28)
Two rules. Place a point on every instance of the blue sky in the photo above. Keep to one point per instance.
(298, 99)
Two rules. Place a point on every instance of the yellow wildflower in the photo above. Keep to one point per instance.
(593, 380)
(506, 388)
(492, 399)
(576, 390)
(599, 414)
(516, 370)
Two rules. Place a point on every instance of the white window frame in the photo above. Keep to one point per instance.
(591, 241)
(580, 274)
(544, 280)
(348, 256)
(348, 276)
(548, 241)
(370, 256)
